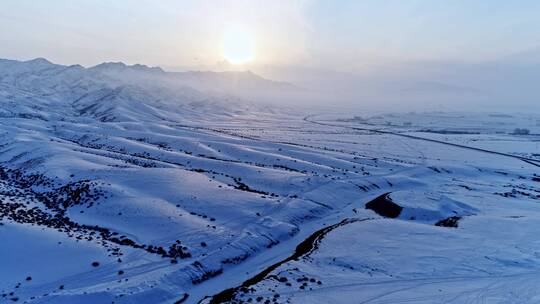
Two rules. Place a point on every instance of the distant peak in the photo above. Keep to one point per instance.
(123, 66)
(106, 65)
(143, 67)
(39, 60)
(76, 66)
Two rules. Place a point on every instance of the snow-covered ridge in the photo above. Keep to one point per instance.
(119, 92)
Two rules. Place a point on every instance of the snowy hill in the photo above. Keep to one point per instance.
(129, 184)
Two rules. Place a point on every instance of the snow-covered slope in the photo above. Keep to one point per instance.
(119, 184)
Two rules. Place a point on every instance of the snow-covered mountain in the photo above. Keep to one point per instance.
(118, 92)
(129, 184)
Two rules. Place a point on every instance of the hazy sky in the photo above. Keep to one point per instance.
(344, 34)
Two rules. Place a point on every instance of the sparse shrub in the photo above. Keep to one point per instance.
(521, 131)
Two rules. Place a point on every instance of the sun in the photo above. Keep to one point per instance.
(238, 45)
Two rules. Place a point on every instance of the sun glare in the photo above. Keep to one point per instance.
(238, 45)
